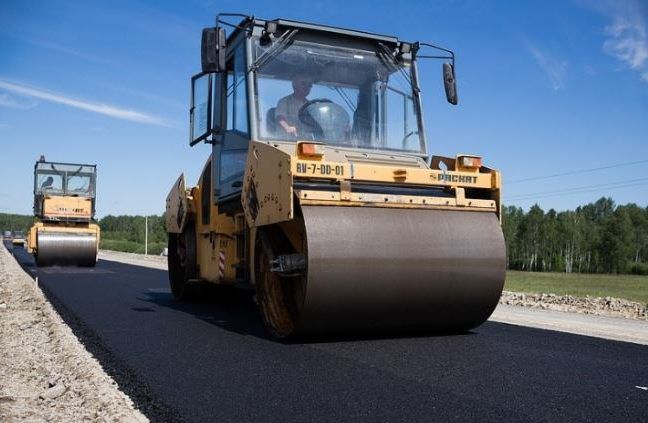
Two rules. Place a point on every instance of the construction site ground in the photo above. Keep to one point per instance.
(46, 374)
(596, 317)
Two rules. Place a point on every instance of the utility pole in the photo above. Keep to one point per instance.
(145, 235)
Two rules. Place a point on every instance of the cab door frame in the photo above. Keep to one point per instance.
(230, 150)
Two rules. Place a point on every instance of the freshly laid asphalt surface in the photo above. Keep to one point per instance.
(211, 360)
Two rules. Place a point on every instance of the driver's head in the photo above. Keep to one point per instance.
(302, 85)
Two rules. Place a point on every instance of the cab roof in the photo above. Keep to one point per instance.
(251, 21)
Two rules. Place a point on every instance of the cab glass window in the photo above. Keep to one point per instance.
(237, 116)
(49, 183)
(357, 97)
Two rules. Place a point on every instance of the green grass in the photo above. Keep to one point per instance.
(154, 248)
(630, 287)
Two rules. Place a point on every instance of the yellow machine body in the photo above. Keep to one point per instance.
(65, 207)
(18, 239)
(270, 172)
(227, 243)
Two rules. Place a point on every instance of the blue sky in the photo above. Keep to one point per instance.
(546, 87)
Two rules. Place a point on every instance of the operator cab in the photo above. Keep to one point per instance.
(284, 81)
(63, 179)
(358, 98)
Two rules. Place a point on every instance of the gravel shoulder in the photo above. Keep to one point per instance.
(154, 262)
(609, 318)
(613, 328)
(46, 375)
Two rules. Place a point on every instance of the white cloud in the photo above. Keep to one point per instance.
(100, 108)
(628, 35)
(7, 101)
(556, 70)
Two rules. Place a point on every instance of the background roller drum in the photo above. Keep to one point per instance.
(379, 268)
(64, 248)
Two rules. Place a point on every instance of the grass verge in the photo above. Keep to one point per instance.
(630, 287)
(154, 248)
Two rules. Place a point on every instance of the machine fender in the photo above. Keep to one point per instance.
(267, 195)
(177, 207)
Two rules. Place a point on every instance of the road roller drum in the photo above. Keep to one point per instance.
(65, 248)
(380, 268)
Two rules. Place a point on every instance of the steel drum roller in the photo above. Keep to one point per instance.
(406, 269)
(66, 248)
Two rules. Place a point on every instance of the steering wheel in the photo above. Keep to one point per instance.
(307, 119)
(303, 115)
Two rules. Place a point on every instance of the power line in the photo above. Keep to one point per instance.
(595, 186)
(579, 190)
(574, 172)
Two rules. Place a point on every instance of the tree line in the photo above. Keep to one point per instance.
(128, 233)
(15, 222)
(599, 237)
(122, 233)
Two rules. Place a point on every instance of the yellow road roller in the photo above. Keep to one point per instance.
(18, 238)
(319, 192)
(64, 230)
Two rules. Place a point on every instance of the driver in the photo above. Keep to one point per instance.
(47, 183)
(288, 107)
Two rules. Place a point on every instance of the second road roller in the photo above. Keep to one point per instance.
(319, 192)
(64, 231)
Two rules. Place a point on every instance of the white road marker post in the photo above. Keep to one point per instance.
(146, 235)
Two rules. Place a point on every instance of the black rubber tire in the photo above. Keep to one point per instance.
(276, 297)
(265, 280)
(181, 261)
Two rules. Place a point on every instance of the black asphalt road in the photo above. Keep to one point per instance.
(212, 361)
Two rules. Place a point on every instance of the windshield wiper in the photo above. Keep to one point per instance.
(391, 63)
(277, 47)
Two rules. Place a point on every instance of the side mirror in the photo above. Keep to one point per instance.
(450, 83)
(213, 49)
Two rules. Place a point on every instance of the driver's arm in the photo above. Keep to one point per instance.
(281, 113)
(289, 129)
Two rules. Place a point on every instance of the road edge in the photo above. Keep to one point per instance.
(47, 373)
